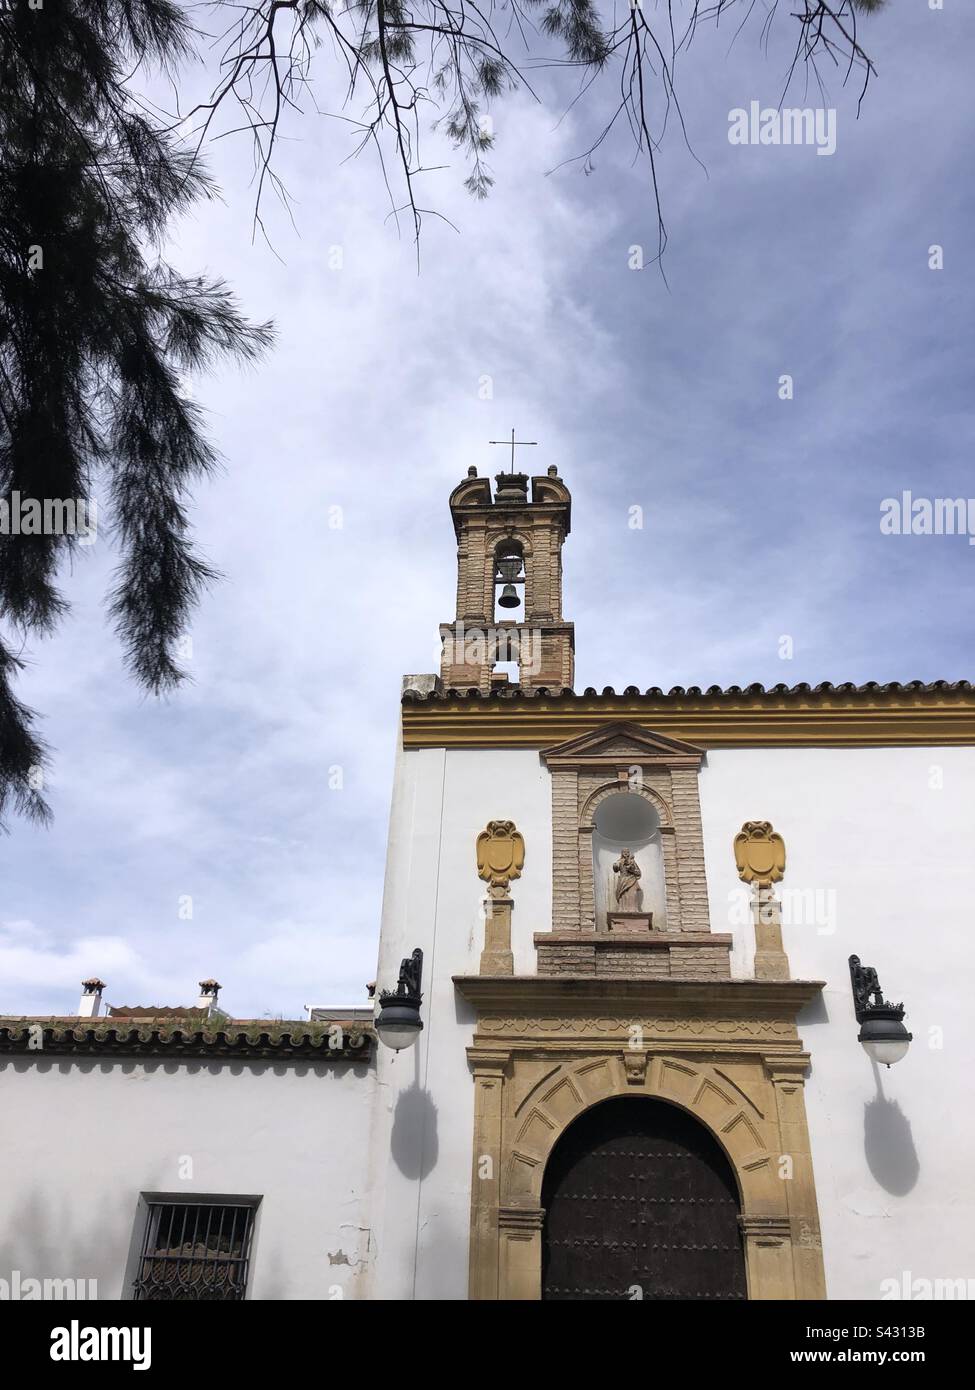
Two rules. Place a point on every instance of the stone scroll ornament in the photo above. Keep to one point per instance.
(759, 853)
(500, 853)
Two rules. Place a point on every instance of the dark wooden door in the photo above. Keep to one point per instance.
(639, 1196)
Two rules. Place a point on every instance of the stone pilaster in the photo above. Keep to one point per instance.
(565, 849)
(497, 957)
(690, 851)
(668, 845)
(587, 884)
(771, 961)
(489, 1067)
(768, 1257)
(787, 1075)
(520, 1232)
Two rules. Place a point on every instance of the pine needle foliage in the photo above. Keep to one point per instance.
(96, 334)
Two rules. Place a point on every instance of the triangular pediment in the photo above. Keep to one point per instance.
(622, 740)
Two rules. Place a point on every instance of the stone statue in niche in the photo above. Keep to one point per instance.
(627, 882)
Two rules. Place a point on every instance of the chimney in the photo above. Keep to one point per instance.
(209, 989)
(91, 997)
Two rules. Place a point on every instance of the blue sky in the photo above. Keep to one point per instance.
(761, 516)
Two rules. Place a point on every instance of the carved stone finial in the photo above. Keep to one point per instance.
(500, 853)
(759, 853)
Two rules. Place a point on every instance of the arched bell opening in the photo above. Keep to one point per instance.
(640, 1203)
(622, 822)
(509, 581)
(505, 657)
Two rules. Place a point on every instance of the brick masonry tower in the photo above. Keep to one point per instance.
(509, 555)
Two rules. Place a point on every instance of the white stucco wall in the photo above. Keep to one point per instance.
(433, 896)
(880, 856)
(82, 1139)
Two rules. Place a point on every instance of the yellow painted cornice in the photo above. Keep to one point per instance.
(872, 716)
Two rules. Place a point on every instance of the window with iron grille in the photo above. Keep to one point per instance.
(195, 1250)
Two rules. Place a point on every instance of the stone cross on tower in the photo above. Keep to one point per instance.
(493, 535)
(520, 443)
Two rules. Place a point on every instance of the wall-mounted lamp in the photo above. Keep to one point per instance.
(882, 1031)
(398, 1022)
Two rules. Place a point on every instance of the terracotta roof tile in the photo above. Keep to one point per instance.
(182, 1036)
(515, 693)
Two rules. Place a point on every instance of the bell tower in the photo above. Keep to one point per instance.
(509, 584)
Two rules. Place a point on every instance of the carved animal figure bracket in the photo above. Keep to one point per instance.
(867, 995)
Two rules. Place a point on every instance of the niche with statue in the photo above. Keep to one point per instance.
(628, 865)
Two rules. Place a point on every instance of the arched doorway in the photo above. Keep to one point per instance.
(638, 1196)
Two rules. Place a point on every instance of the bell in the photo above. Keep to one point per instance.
(508, 598)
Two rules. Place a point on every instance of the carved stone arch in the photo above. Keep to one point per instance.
(576, 1087)
(616, 788)
(497, 534)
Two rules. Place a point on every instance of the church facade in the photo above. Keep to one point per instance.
(709, 1014)
(653, 928)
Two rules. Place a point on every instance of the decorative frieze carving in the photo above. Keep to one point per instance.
(664, 1027)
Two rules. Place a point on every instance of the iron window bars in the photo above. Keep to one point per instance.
(195, 1252)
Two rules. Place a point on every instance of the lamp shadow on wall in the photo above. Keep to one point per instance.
(414, 1141)
(888, 1143)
